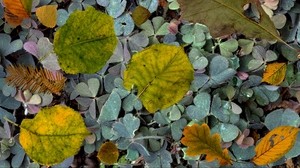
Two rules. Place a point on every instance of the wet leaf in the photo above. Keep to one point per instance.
(199, 141)
(275, 145)
(80, 49)
(47, 15)
(274, 73)
(108, 153)
(55, 134)
(225, 17)
(162, 74)
(17, 10)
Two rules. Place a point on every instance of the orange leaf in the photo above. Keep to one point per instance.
(275, 145)
(108, 153)
(199, 141)
(274, 73)
(17, 10)
(47, 15)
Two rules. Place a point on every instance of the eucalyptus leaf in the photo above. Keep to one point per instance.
(243, 154)
(282, 117)
(151, 5)
(7, 46)
(110, 110)
(116, 8)
(228, 132)
(124, 25)
(177, 127)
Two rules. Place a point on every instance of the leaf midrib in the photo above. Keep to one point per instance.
(275, 144)
(57, 135)
(89, 41)
(248, 20)
(158, 74)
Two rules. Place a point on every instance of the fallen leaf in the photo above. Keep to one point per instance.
(199, 141)
(140, 14)
(83, 45)
(162, 74)
(108, 153)
(55, 134)
(274, 73)
(47, 15)
(17, 10)
(275, 145)
(225, 17)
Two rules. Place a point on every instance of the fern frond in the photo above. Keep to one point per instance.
(36, 80)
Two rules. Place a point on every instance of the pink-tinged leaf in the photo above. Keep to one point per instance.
(33, 109)
(242, 75)
(173, 27)
(31, 47)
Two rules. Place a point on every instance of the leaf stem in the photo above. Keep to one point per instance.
(148, 137)
(8, 120)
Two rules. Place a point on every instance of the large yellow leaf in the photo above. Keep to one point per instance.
(162, 74)
(274, 73)
(16, 11)
(108, 153)
(227, 16)
(55, 134)
(47, 15)
(275, 145)
(199, 141)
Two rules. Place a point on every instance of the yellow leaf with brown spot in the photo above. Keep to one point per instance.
(17, 10)
(199, 141)
(53, 135)
(274, 73)
(108, 153)
(275, 145)
(47, 15)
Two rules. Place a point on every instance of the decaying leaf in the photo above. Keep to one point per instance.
(274, 73)
(225, 17)
(162, 74)
(140, 14)
(55, 134)
(47, 15)
(275, 145)
(37, 80)
(108, 153)
(199, 141)
(17, 10)
(85, 42)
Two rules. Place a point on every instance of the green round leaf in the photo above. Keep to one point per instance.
(85, 42)
(162, 75)
(282, 117)
(228, 132)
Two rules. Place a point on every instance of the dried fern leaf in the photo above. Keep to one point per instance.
(36, 80)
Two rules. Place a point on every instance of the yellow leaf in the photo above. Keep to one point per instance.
(108, 153)
(55, 134)
(17, 10)
(199, 141)
(162, 74)
(274, 73)
(275, 145)
(47, 15)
